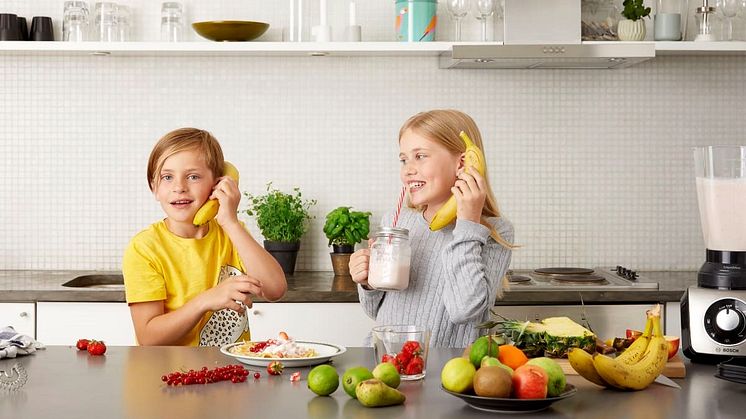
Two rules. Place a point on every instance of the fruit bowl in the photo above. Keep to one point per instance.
(507, 405)
(230, 30)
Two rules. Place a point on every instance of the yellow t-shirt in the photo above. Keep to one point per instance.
(161, 266)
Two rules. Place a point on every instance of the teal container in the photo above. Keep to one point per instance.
(416, 20)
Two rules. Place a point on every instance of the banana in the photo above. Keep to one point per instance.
(582, 362)
(209, 210)
(635, 351)
(473, 159)
(641, 374)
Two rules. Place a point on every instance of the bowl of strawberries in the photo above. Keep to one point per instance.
(404, 346)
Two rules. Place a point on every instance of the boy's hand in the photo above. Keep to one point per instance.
(232, 293)
(227, 193)
(470, 194)
(359, 266)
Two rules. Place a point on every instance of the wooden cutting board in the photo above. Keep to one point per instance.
(674, 367)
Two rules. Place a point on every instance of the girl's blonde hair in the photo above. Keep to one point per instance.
(443, 126)
(184, 139)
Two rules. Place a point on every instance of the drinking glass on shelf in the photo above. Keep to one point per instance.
(727, 9)
(458, 9)
(106, 19)
(484, 9)
(75, 21)
(124, 22)
(172, 22)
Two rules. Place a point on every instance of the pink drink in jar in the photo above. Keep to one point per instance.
(390, 255)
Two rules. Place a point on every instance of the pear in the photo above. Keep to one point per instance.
(374, 393)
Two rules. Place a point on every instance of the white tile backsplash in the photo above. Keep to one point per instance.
(592, 167)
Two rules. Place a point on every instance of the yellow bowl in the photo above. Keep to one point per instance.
(230, 30)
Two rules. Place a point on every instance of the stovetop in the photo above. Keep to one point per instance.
(608, 278)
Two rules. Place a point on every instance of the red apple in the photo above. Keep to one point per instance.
(673, 345)
(633, 334)
(530, 382)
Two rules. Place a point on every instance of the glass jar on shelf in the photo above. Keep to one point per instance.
(599, 20)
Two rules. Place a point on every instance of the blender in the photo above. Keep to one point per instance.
(713, 313)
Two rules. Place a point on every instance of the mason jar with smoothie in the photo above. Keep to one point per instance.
(390, 256)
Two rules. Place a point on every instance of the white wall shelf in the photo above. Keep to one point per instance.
(700, 48)
(299, 49)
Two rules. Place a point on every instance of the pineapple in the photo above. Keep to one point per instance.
(553, 336)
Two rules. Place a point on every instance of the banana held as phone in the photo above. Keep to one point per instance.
(209, 210)
(473, 160)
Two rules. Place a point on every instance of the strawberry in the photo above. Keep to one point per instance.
(391, 359)
(403, 358)
(96, 347)
(415, 366)
(275, 368)
(412, 347)
(82, 344)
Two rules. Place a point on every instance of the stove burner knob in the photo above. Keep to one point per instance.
(727, 320)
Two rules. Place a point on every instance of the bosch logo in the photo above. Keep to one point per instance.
(731, 350)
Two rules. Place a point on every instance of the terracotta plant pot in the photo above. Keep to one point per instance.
(631, 30)
(340, 263)
(285, 254)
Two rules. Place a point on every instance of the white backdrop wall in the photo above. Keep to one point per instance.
(592, 167)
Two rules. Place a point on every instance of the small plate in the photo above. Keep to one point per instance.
(325, 351)
(501, 405)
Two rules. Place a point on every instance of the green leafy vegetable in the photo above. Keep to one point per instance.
(280, 216)
(346, 227)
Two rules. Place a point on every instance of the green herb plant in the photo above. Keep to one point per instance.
(346, 227)
(280, 216)
(635, 9)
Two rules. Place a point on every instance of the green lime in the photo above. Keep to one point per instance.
(323, 380)
(483, 347)
(353, 376)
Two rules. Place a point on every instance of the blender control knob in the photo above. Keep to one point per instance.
(727, 320)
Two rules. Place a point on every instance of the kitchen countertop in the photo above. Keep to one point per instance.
(125, 383)
(310, 287)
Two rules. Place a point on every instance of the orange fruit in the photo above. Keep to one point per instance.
(511, 356)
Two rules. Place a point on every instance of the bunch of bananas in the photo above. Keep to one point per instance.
(209, 210)
(636, 368)
(473, 160)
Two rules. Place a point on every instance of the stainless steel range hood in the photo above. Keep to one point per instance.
(587, 55)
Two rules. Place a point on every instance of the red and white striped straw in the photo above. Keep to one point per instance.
(398, 205)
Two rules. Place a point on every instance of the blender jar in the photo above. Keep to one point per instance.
(721, 192)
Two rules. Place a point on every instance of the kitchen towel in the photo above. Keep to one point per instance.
(13, 343)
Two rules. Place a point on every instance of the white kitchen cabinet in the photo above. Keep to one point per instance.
(673, 318)
(339, 323)
(63, 323)
(19, 315)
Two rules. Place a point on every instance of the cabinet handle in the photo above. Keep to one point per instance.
(256, 312)
(23, 314)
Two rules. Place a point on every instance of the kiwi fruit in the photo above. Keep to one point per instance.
(492, 381)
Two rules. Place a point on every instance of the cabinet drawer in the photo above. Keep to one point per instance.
(21, 316)
(65, 323)
(339, 323)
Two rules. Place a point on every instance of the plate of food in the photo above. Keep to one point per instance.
(284, 349)
(507, 405)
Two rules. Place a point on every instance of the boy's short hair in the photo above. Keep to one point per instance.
(183, 139)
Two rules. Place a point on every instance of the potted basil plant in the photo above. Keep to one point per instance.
(344, 229)
(633, 28)
(281, 217)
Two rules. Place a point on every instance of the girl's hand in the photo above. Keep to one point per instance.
(359, 266)
(470, 194)
(227, 193)
(232, 293)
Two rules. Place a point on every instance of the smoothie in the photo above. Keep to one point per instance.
(722, 210)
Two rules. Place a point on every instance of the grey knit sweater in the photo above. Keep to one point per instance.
(455, 275)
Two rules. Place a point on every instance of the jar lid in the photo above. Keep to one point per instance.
(393, 231)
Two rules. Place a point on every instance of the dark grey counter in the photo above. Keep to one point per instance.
(31, 286)
(125, 383)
